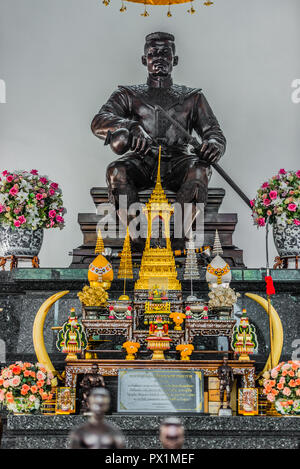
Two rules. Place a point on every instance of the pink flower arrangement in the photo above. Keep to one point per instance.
(31, 382)
(28, 200)
(277, 200)
(282, 386)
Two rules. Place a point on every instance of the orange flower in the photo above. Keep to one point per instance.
(40, 383)
(27, 373)
(1, 381)
(298, 382)
(284, 373)
(272, 382)
(16, 370)
(44, 396)
(9, 397)
(34, 389)
(274, 392)
(32, 373)
(292, 383)
(280, 386)
(291, 373)
(24, 390)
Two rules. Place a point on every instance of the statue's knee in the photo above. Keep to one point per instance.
(116, 174)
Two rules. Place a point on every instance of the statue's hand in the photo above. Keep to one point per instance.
(140, 140)
(210, 151)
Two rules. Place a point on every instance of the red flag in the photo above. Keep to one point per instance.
(269, 285)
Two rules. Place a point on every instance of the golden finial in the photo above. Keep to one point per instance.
(106, 2)
(192, 9)
(208, 3)
(169, 14)
(145, 12)
(99, 249)
(123, 7)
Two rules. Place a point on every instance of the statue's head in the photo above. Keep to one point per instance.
(99, 401)
(159, 54)
(172, 433)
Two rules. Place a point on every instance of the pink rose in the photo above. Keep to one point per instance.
(59, 219)
(274, 373)
(34, 172)
(4, 173)
(39, 196)
(269, 213)
(15, 381)
(2, 395)
(40, 375)
(273, 195)
(9, 178)
(52, 213)
(2, 208)
(22, 219)
(252, 202)
(6, 383)
(261, 221)
(51, 192)
(54, 185)
(298, 174)
(43, 180)
(296, 222)
(13, 191)
(32, 398)
(264, 185)
(282, 171)
(292, 207)
(266, 202)
(17, 223)
(286, 391)
(270, 397)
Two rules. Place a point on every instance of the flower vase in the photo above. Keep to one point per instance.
(20, 241)
(287, 240)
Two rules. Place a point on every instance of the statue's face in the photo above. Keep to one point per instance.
(172, 436)
(159, 58)
(98, 404)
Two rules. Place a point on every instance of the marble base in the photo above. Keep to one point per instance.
(141, 431)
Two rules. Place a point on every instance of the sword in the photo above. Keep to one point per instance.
(197, 146)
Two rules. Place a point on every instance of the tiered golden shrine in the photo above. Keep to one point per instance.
(158, 263)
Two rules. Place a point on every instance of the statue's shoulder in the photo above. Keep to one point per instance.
(134, 89)
(185, 90)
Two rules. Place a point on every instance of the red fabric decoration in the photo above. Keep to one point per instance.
(269, 285)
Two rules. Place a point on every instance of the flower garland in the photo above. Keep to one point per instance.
(277, 200)
(28, 200)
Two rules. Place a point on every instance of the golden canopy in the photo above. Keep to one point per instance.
(159, 2)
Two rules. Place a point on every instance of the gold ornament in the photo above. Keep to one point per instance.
(106, 2)
(158, 264)
(99, 249)
(123, 8)
(192, 10)
(94, 295)
(125, 268)
(208, 3)
(169, 14)
(145, 12)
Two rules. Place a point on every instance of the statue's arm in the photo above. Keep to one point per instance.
(113, 115)
(207, 127)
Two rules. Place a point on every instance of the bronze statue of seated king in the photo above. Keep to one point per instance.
(134, 123)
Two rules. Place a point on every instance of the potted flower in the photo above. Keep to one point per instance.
(277, 202)
(131, 349)
(29, 203)
(185, 351)
(23, 386)
(282, 387)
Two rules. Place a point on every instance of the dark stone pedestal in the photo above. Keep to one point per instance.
(141, 431)
(225, 223)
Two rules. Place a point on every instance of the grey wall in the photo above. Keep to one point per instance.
(62, 58)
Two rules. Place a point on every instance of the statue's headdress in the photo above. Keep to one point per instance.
(159, 36)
